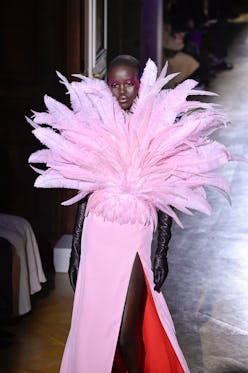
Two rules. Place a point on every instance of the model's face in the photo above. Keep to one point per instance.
(124, 83)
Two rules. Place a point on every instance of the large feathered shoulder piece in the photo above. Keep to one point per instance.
(160, 155)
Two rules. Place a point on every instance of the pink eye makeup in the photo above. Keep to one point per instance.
(113, 83)
(130, 82)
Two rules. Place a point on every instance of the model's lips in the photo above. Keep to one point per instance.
(123, 100)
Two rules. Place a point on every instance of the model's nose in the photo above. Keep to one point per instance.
(122, 88)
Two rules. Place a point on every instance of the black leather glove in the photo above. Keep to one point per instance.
(160, 264)
(76, 242)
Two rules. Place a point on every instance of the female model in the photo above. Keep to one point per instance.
(123, 80)
(134, 152)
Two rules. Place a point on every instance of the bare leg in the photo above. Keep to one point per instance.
(130, 340)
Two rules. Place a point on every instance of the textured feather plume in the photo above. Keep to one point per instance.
(157, 156)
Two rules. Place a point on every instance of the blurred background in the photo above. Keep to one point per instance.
(40, 37)
(82, 36)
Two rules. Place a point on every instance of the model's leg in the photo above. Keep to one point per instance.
(130, 339)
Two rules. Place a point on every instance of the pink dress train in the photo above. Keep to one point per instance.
(108, 253)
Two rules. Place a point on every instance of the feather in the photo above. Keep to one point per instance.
(30, 121)
(75, 199)
(148, 78)
(157, 156)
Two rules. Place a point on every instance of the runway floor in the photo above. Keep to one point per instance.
(207, 286)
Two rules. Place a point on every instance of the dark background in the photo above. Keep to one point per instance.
(37, 38)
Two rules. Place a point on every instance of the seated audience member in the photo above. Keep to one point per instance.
(178, 60)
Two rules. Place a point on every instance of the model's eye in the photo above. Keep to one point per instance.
(113, 84)
(129, 83)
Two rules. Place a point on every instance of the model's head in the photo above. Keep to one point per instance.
(123, 79)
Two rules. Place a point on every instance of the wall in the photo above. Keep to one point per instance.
(37, 38)
(33, 46)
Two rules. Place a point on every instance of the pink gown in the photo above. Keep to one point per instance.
(157, 156)
(108, 253)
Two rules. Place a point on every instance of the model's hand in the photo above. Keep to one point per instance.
(73, 267)
(160, 264)
(160, 270)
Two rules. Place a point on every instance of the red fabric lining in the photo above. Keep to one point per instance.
(160, 356)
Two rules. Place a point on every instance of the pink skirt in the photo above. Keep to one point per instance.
(108, 253)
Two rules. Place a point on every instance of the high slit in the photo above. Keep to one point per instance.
(107, 258)
(130, 340)
(156, 342)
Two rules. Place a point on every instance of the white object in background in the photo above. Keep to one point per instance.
(62, 252)
(19, 232)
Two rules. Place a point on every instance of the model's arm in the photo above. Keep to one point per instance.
(76, 242)
(160, 264)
